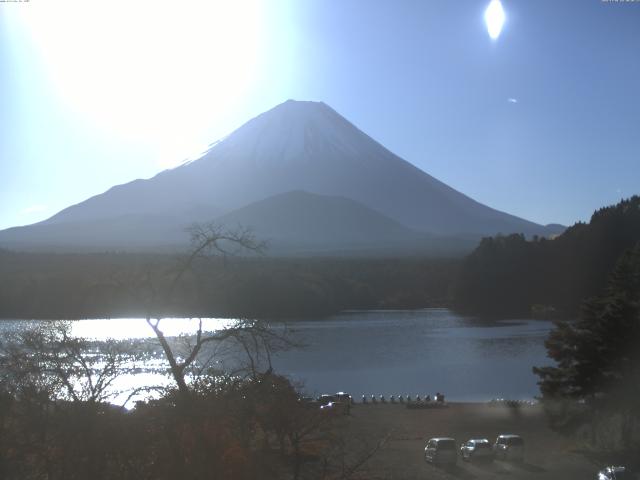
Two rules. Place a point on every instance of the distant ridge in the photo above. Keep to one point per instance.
(322, 222)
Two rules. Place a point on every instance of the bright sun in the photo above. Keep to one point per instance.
(494, 17)
(156, 71)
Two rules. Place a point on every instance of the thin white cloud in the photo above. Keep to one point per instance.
(33, 209)
(512, 100)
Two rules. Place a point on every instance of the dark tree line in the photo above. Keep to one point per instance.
(67, 286)
(510, 275)
(595, 384)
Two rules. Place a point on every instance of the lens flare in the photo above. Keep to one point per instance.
(494, 17)
(152, 72)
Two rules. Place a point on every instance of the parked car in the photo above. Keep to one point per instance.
(309, 402)
(476, 449)
(343, 397)
(337, 408)
(509, 447)
(441, 451)
(615, 473)
(325, 399)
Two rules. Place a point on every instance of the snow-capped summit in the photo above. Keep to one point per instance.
(294, 132)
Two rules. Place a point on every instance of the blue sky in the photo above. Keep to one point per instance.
(543, 122)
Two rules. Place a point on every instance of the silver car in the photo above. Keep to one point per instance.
(509, 447)
(476, 449)
(441, 451)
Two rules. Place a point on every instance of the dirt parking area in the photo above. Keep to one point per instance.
(547, 456)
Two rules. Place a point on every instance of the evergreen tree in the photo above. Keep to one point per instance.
(600, 352)
(597, 357)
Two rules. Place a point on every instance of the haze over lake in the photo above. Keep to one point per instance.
(379, 352)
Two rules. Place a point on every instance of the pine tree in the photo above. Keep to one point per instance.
(599, 353)
(597, 372)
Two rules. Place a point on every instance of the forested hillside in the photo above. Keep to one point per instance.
(116, 285)
(509, 275)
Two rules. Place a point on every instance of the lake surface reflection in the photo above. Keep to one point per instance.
(381, 352)
(418, 352)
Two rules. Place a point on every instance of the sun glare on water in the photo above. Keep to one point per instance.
(494, 17)
(137, 328)
(155, 71)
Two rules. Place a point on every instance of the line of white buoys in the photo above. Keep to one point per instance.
(412, 402)
(409, 401)
(511, 403)
(375, 399)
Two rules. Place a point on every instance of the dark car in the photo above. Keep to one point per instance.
(325, 399)
(509, 447)
(441, 451)
(336, 408)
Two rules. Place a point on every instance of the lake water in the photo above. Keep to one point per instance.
(382, 352)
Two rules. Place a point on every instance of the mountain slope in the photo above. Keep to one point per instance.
(296, 146)
(319, 222)
(308, 146)
(124, 232)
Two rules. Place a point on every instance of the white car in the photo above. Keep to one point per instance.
(615, 473)
(509, 447)
(441, 451)
(476, 449)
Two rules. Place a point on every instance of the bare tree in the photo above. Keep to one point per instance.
(256, 340)
(48, 358)
(253, 337)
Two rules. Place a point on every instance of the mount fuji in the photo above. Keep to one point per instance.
(301, 175)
